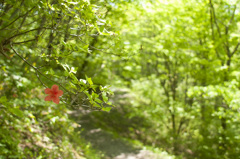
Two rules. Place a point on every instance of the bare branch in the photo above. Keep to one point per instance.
(235, 49)
(235, 7)
(215, 19)
(182, 121)
(24, 41)
(17, 19)
(27, 32)
(40, 79)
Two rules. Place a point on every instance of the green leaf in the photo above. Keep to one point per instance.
(96, 26)
(16, 111)
(104, 96)
(98, 100)
(75, 80)
(3, 99)
(90, 81)
(102, 28)
(107, 109)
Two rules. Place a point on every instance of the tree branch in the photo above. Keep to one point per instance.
(26, 32)
(37, 71)
(235, 49)
(24, 41)
(17, 18)
(235, 7)
(215, 19)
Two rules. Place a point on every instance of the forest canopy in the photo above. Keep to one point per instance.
(161, 74)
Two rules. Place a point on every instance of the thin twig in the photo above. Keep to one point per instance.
(27, 32)
(235, 49)
(235, 7)
(215, 19)
(101, 50)
(40, 79)
(17, 18)
(15, 43)
(36, 70)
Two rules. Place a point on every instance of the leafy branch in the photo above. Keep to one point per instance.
(36, 70)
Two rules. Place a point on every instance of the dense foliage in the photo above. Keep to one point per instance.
(172, 64)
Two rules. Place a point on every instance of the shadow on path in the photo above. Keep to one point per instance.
(104, 141)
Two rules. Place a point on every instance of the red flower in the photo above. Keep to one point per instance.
(54, 94)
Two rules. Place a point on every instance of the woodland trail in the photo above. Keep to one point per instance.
(110, 145)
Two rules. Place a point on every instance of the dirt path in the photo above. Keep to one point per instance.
(111, 146)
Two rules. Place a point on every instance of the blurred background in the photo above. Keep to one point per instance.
(142, 79)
